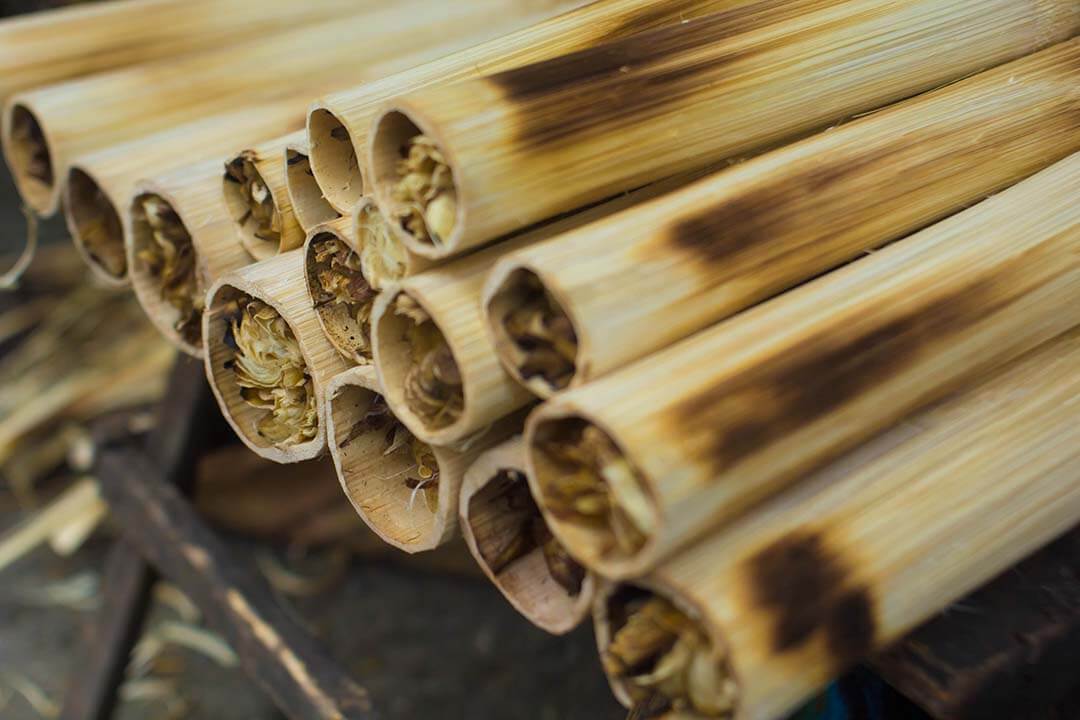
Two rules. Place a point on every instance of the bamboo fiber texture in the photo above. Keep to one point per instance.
(720, 421)
(47, 47)
(377, 483)
(866, 550)
(309, 207)
(489, 522)
(279, 283)
(45, 128)
(540, 140)
(339, 122)
(691, 258)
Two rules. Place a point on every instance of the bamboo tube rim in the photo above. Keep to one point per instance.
(239, 208)
(552, 608)
(24, 137)
(337, 173)
(339, 327)
(398, 518)
(85, 202)
(309, 204)
(394, 125)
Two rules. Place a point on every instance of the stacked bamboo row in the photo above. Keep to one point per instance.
(747, 326)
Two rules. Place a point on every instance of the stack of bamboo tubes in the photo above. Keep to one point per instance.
(747, 327)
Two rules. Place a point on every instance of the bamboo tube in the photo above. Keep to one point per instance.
(45, 128)
(100, 185)
(456, 166)
(346, 115)
(337, 291)
(405, 490)
(633, 466)
(511, 543)
(696, 256)
(308, 204)
(860, 553)
(47, 47)
(256, 194)
(383, 260)
(269, 352)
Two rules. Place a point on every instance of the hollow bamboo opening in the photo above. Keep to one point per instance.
(95, 225)
(415, 181)
(307, 198)
(384, 260)
(341, 295)
(252, 207)
(660, 659)
(595, 498)
(524, 558)
(391, 477)
(30, 157)
(334, 160)
(534, 336)
(417, 365)
(164, 268)
(260, 371)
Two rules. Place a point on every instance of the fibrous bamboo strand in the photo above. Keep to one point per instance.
(839, 567)
(339, 122)
(45, 128)
(455, 166)
(511, 543)
(267, 359)
(696, 256)
(305, 196)
(404, 489)
(632, 466)
(338, 292)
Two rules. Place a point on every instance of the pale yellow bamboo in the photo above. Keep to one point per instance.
(279, 283)
(346, 115)
(337, 319)
(701, 431)
(45, 128)
(383, 259)
(690, 259)
(399, 498)
(501, 525)
(540, 140)
(865, 550)
(308, 204)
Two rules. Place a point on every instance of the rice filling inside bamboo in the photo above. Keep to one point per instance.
(588, 482)
(250, 201)
(165, 250)
(424, 199)
(382, 257)
(271, 372)
(520, 531)
(97, 223)
(338, 287)
(432, 387)
(665, 660)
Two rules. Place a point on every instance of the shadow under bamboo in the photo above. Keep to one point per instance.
(716, 247)
(308, 204)
(405, 490)
(267, 359)
(767, 611)
(508, 538)
(338, 123)
(338, 292)
(635, 465)
(455, 166)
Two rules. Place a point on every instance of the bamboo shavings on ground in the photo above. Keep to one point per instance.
(488, 156)
(858, 554)
(689, 438)
(573, 308)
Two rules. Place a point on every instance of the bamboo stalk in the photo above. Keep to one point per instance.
(308, 204)
(862, 552)
(337, 291)
(633, 466)
(267, 359)
(383, 259)
(511, 543)
(45, 128)
(696, 256)
(346, 115)
(455, 166)
(47, 47)
(100, 185)
(405, 490)
(81, 499)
